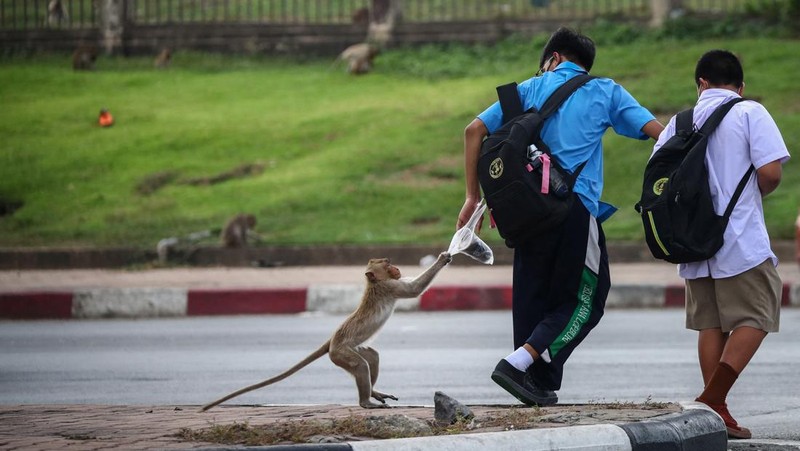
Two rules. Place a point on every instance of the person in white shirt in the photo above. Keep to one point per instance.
(733, 298)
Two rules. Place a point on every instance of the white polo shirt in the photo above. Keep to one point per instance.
(747, 135)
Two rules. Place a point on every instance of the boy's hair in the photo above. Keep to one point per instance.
(719, 67)
(576, 47)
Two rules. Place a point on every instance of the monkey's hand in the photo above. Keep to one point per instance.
(444, 258)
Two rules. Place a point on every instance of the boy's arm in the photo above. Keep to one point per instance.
(473, 137)
(769, 177)
(653, 129)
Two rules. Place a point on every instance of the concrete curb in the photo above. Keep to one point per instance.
(697, 428)
(174, 302)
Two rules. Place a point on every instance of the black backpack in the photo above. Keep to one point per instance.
(680, 224)
(510, 173)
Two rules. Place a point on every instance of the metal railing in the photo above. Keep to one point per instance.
(243, 11)
(34, 14)
(345, 11)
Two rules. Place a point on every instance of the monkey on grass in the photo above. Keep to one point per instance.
(238, 230)
(83, 57)
(346, 347)
(359, 57)
(163, 59)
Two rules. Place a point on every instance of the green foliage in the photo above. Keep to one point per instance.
(317, 155)
(756, 18)
(438, 61)
(607, 31)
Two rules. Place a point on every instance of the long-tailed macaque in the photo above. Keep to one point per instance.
(346, 347)
(83, 57)
(163, 59)
(359, 57)
(56, 13)
(238, 229)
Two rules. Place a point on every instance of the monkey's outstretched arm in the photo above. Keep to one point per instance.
(311, 357)
(415, 287)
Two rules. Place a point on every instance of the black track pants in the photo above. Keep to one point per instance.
(561, 281)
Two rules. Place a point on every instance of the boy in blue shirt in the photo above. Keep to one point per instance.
(561, 278)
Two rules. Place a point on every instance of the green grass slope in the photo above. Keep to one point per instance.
(317, 155)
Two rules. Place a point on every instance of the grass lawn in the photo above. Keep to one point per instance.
(317, 155)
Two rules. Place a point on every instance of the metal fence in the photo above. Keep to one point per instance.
(269, 11)
(47, 14)
(34, 14)
(347, 11)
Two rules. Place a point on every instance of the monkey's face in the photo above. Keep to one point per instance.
(394, 271)
(381, 269)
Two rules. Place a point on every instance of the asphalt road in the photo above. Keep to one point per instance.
(633, 356)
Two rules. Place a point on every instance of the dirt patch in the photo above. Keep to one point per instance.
(355, 427)
(243, 171)
(154, 182)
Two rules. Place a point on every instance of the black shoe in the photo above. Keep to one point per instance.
(520, 385)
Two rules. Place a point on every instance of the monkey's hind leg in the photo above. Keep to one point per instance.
(372, 358)
(351, 361)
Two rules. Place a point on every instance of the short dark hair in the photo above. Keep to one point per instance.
(719, 67)
(577, 47)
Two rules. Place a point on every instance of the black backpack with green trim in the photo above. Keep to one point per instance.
(680, 224)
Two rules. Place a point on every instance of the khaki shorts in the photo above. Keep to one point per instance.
(752, 298)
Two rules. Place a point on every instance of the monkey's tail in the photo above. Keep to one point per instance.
(311, 357)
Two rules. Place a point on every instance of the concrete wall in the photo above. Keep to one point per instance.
(269, 39)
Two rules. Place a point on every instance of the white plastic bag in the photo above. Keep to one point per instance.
(466, 241)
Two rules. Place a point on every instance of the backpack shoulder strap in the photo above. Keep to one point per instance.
(738, 192)
(563, 92)
(710, 125)
(509, 101)
(552, 104)
(512, 105)
(716, 117)
(684, 121)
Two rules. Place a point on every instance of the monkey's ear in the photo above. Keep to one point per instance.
(371, 276)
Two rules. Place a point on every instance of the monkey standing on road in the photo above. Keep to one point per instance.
(346, 347)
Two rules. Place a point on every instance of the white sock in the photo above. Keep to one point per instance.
(520, 359)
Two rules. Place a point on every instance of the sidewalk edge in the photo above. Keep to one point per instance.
(171, 302)
(696, 428)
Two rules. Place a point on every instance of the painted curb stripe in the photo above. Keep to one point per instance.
(238, 302)
(35, 305)
(690, 430)
(129, 303)
(466, 298)
(155, 302)
(598, 437)
(786, 295)
(675, 296)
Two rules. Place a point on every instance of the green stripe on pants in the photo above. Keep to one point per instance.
(581, 314)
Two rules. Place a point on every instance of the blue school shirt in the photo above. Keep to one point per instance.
(575, 132)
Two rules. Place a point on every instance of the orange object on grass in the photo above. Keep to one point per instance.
(105, 119)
